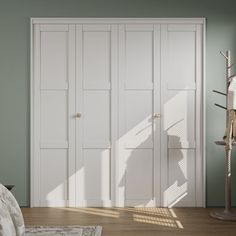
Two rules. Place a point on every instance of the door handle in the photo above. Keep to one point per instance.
(156, 115)
(78, 115)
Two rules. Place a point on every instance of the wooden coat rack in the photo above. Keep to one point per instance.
(227, 213)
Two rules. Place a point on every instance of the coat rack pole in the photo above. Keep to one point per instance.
(228, 74)
(228, 150)
(228, 181)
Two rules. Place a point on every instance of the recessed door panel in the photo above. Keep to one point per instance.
(96, 117)
(139, 175)
(139, 56)
(96, 59)
(182, 59)
(180, 127)
(181, 177)
(53, 183)
(97, 174)
(54, 116)
(138, 122)
(54, 55)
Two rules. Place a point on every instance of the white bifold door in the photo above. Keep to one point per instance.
(117, 113)
(139, 115)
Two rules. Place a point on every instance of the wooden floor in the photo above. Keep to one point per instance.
(134, 221)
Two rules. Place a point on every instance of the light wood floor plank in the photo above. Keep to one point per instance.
(135, 221)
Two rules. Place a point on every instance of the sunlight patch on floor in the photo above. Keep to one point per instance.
(149, 210)
(155, 220)
(158, 216)
(95, 211)
(148, 215)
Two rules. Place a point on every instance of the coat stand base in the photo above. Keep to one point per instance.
(224, 215)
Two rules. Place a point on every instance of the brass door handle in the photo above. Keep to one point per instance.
(78, 115)
(156, 115)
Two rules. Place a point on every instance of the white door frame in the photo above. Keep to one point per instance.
(200, 164)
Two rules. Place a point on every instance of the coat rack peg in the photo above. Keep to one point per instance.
(224, 55)
(218, 105)
(231, 65)
(215, 91)
(229, 79)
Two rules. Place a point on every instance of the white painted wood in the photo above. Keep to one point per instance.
(146, 20)
(96, 47)
(182, 27)
(157, 109)
(53, 49)
(54, 27)
(54, 109)
(54, 145)
(35, 118)
(114, 114)
(71, 119)
(181, 178)
(120, 163)
(32, 198)
(50, 85)
(96, 116)
(53, 181)
(136, 108)
(139, 27)
(96, 59)
(181, 115)
(202, 166)
(138, 58)
(101, 154)
(53, 116)
(200, 135)
(97, 174)
(80, 193)
(137, 185)
(97, 28)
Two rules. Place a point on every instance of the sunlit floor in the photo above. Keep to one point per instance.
(134, 221)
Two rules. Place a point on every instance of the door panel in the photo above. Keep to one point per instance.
(54, 116)
(179, 122)
(137, 126)
(96, 58)
(54, 56)
(181, 58)
(138, 122)
(97, 174)
(96, 117)
(178, 114)
(181, 177)
(54, 112)
(95, 129)
(139, 56)
(138, 185)
(53, 181)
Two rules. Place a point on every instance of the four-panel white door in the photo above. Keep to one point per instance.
(181, 109)
(139, 115)
(96, 99)
(53, 122)
(117, 115)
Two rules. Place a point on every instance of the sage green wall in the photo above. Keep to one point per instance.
(15, 74)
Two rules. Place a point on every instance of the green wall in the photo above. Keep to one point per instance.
(15, 75)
